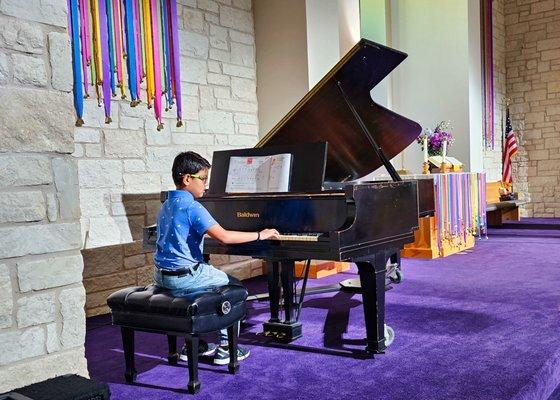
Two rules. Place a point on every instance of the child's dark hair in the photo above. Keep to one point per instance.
(186, 163)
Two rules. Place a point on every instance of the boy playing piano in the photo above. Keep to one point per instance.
(182, 224)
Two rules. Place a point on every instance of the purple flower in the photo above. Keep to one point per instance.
(436, 137)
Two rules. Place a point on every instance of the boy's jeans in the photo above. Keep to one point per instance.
(206, 277)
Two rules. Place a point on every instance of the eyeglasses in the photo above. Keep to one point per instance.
(202, 178)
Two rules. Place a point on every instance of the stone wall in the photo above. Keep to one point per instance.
(125, 164)
(42, 320)
(533, 83)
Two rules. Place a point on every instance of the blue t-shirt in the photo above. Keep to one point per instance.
(181, 226)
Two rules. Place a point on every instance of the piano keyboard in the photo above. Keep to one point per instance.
(294, 237)
(304, 237)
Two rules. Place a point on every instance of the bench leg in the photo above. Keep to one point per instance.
(192, 354)
(173, 356)
(128, 347)
(233, 332)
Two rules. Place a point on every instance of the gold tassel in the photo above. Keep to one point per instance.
(179, 123)
(108, 120)
(79, 122)
(160, 127)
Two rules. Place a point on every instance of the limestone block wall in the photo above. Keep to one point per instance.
(42, 319)
(533, 83)
(124, 165)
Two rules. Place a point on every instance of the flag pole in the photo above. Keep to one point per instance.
(503, 146)
(504, 184)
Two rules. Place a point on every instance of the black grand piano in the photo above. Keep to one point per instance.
(336, 135)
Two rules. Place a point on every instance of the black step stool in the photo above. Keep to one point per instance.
(153, 309)
(65, 387)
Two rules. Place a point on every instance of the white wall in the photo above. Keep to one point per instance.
(348, 24)
(476, 146)
(323, 42)
(281, 54)
(438, 81)
(297, 43)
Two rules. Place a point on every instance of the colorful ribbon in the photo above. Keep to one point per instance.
(131, 50)
(487, 71)
(176, 59)
(460, 208)
(76, 63)
(136, 38)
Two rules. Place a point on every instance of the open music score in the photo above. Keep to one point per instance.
(259, 174)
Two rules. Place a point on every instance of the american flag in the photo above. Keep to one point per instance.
(510, 149)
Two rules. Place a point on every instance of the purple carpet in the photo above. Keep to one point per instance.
(480, 325)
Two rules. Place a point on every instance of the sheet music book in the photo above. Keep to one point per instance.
(259, 174)
(436, 160)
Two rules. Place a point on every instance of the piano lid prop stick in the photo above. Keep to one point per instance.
(176, 59)
(76, 63)
(104, 39)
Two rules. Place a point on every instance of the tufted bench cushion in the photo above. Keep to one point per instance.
(153, 308)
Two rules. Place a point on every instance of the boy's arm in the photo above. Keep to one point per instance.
(233, 237)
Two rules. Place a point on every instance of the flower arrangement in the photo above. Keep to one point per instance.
(436, 137)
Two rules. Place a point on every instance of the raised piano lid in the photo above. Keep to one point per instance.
(323, 115)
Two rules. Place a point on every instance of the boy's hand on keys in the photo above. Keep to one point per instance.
(266, 234)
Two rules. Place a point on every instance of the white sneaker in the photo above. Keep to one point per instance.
(389, 335)
(204, 349)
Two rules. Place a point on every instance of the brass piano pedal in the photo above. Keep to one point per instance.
(282, 331)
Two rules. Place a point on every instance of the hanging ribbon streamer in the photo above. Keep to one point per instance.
(167, 72)
(118, 43)
(460, 208)
(84, 34)
(138, 48)
(157, 65)
(111, 47)
(106, 68)
(76, 63)
(130, 50)
(176, 66)
(487, 72)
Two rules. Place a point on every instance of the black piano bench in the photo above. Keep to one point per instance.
(152, 309)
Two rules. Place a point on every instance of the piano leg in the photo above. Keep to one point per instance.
(289, 329)
(274, 290)
(372, 277)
